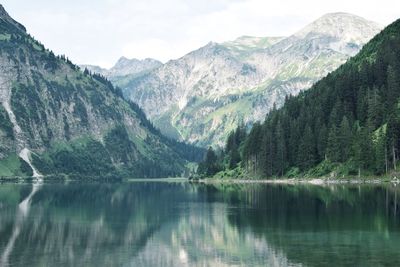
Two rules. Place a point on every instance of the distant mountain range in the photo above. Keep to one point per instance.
(204, 95)
(57, 119)
(125, 66)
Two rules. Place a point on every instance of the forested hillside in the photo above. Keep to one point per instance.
(346, 124)
(56, 119)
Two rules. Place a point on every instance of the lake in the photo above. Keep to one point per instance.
(181, 224)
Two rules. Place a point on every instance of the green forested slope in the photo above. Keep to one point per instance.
(71, 121)
(347, 123)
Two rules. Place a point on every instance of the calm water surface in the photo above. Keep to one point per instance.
(181, 224)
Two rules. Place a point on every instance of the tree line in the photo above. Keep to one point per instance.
(351, 118)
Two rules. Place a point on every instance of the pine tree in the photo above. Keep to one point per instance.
(393, 87)
(322, 142)
(363, 149)
(333, 149)
(381, 162)
(249, 147)
(234, 158)
(307, 150)
(345, 140)
(230, 143)
(281, 156)
(393, 136)
(375, 109)
(210, 165)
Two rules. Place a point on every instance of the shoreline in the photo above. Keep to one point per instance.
(296, 181)
(281, 181)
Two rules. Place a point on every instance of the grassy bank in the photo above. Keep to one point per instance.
(325, 173)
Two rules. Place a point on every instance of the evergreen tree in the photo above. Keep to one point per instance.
(252, 148)
(393, 137)
(231, 142)
(307, 150)
(345, 140)
(281, 152)
(267, 154)
(375, 109)
(393, 87)
(363, 149)
(381, 160)
(333, 148)
(210, 165)
(322, 142)
(234, 158)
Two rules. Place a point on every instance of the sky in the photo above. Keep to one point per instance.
(101, 31)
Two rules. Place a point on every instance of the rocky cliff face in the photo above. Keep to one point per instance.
(204, 95)
(73, 122)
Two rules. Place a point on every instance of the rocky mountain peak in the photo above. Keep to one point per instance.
(210, 50)
(4, 16)
(344, 26)
(123, 60)
(3, 12)
(125, 66)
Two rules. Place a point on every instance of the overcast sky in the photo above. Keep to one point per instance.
(100, 31)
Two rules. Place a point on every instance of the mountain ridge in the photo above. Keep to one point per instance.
(124, 67)
(61, 120)
(205, 94)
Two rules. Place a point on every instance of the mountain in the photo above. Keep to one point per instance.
(348, 123)
(244, 45)
(204, 95)
(56, 119)
(125, 69)
(126, 66)
(95, 69)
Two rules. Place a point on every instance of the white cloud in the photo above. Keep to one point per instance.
(99, 32)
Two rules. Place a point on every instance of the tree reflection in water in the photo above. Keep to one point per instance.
(179, 224)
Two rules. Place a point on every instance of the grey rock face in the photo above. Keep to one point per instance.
(46, 102)
(205, 94)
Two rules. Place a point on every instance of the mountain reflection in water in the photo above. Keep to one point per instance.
(181, 224)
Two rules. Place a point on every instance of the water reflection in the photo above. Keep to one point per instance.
(22, 212)
(179, 224)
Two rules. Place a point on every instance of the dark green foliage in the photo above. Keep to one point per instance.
(118, 156)
(121, 149)
(5, 123)
(351, 117)
(90, 158)
(393, 137)
(25, 168)
(234, 158)
(333, 148)
(210, 165)
(232, 148)
(345, 140)
(307, 155)
(322, 141)
(229, 158)
(190, 152)
(381, 155)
